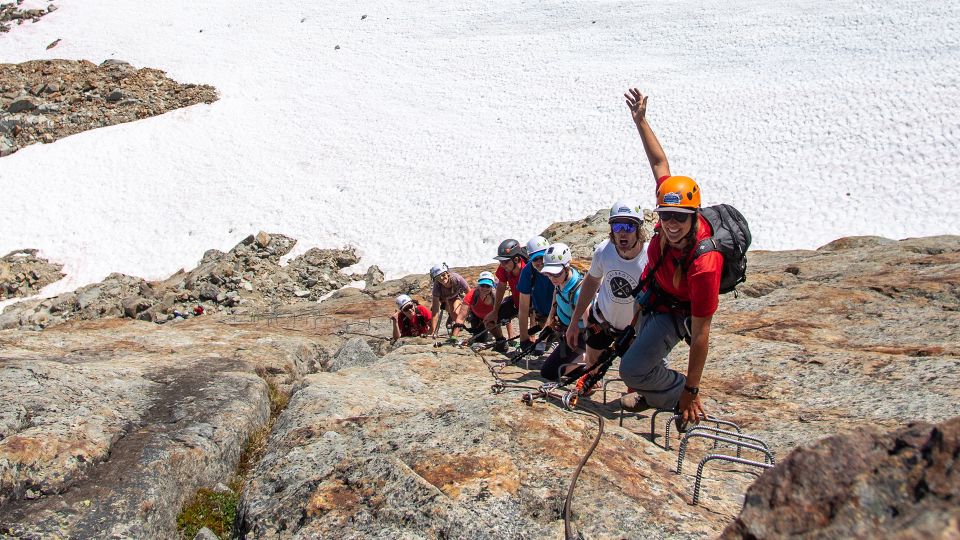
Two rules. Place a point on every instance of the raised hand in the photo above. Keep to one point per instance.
(637, 103)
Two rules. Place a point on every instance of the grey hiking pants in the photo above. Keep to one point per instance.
(644, 367)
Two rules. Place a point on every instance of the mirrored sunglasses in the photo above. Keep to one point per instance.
(679, 217)
(620, 227)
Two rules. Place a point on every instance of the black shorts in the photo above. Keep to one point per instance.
(600, 339)
(474, 324)
(507, 311)
(561, 355)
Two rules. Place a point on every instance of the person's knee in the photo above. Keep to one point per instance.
(637, 365)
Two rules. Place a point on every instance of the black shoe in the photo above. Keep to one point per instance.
(501, 346)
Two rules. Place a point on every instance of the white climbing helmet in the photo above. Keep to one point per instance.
(536, 246)
(438, 269)
(403, 300)
(556, 258)
(626, 210)
(486, 278)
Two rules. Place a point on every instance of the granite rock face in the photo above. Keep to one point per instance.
(866, 484)
(116, 423)
(386, 440)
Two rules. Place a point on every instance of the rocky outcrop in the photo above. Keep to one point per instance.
(22, 274)
(46, 100)
(247, 279)
(114, 424)
(867, 484)
(12, 14)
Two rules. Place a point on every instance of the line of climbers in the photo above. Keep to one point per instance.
(665, 288)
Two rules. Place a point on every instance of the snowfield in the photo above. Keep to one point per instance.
(439, 128)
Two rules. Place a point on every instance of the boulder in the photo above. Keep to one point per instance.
(373, 276)
(23, 103)
(355, 352)
(903, 483)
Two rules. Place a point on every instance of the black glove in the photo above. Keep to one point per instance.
(527, 345)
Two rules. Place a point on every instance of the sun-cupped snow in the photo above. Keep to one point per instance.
(429, 131)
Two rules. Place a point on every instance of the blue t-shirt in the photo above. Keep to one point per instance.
(541, 296)
(567, 297)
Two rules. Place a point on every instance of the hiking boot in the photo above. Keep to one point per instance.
(633, 402)
(500, 346)
(513, 343)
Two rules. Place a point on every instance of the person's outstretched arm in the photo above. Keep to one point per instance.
(655, 154)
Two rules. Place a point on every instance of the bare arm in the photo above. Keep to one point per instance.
(501, 289)
(587, 291)
(690, 405)
(434, 320)
(524, 316)
(396, 324)
(655, 154)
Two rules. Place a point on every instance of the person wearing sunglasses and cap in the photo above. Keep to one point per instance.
(681, 296)
(615, 270)
(449, 289)
(567, 283)
(535, 290)
(411, 319)
(477, 304)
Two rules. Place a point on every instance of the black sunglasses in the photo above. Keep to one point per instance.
(679, 217)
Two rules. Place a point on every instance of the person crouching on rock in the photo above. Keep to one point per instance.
(449, 289)
(567, 282)
(411, 319)
(536, 293)
(683, 292)
(512, 258)
(477, 304)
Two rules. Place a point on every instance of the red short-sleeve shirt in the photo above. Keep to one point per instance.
(478, 308)
(419, 326)
(507, 277)
(701, 284)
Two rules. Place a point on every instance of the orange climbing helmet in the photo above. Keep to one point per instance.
(678, 194)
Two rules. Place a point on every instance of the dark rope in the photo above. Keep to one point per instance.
(567, 519)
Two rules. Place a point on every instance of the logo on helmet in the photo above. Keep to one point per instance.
(672, 198)
(623, 209)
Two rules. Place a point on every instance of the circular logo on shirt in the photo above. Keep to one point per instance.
(621, 285)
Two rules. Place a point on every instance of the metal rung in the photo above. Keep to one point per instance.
(720, 457)
(739, 435)
(653, 424)
(605, 383)
(707, 418)
(768, 455)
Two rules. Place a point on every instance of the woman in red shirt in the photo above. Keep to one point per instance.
(411, 319)
(681, 294)
(477, 304)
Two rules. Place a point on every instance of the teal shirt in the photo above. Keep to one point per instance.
(567, 296)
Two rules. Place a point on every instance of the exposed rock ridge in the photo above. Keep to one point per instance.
(22, 273)
(247, 278)
(46, 100)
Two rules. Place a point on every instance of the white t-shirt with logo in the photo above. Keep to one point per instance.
(619, 276)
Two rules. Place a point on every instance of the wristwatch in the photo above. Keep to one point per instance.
(694, 390)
